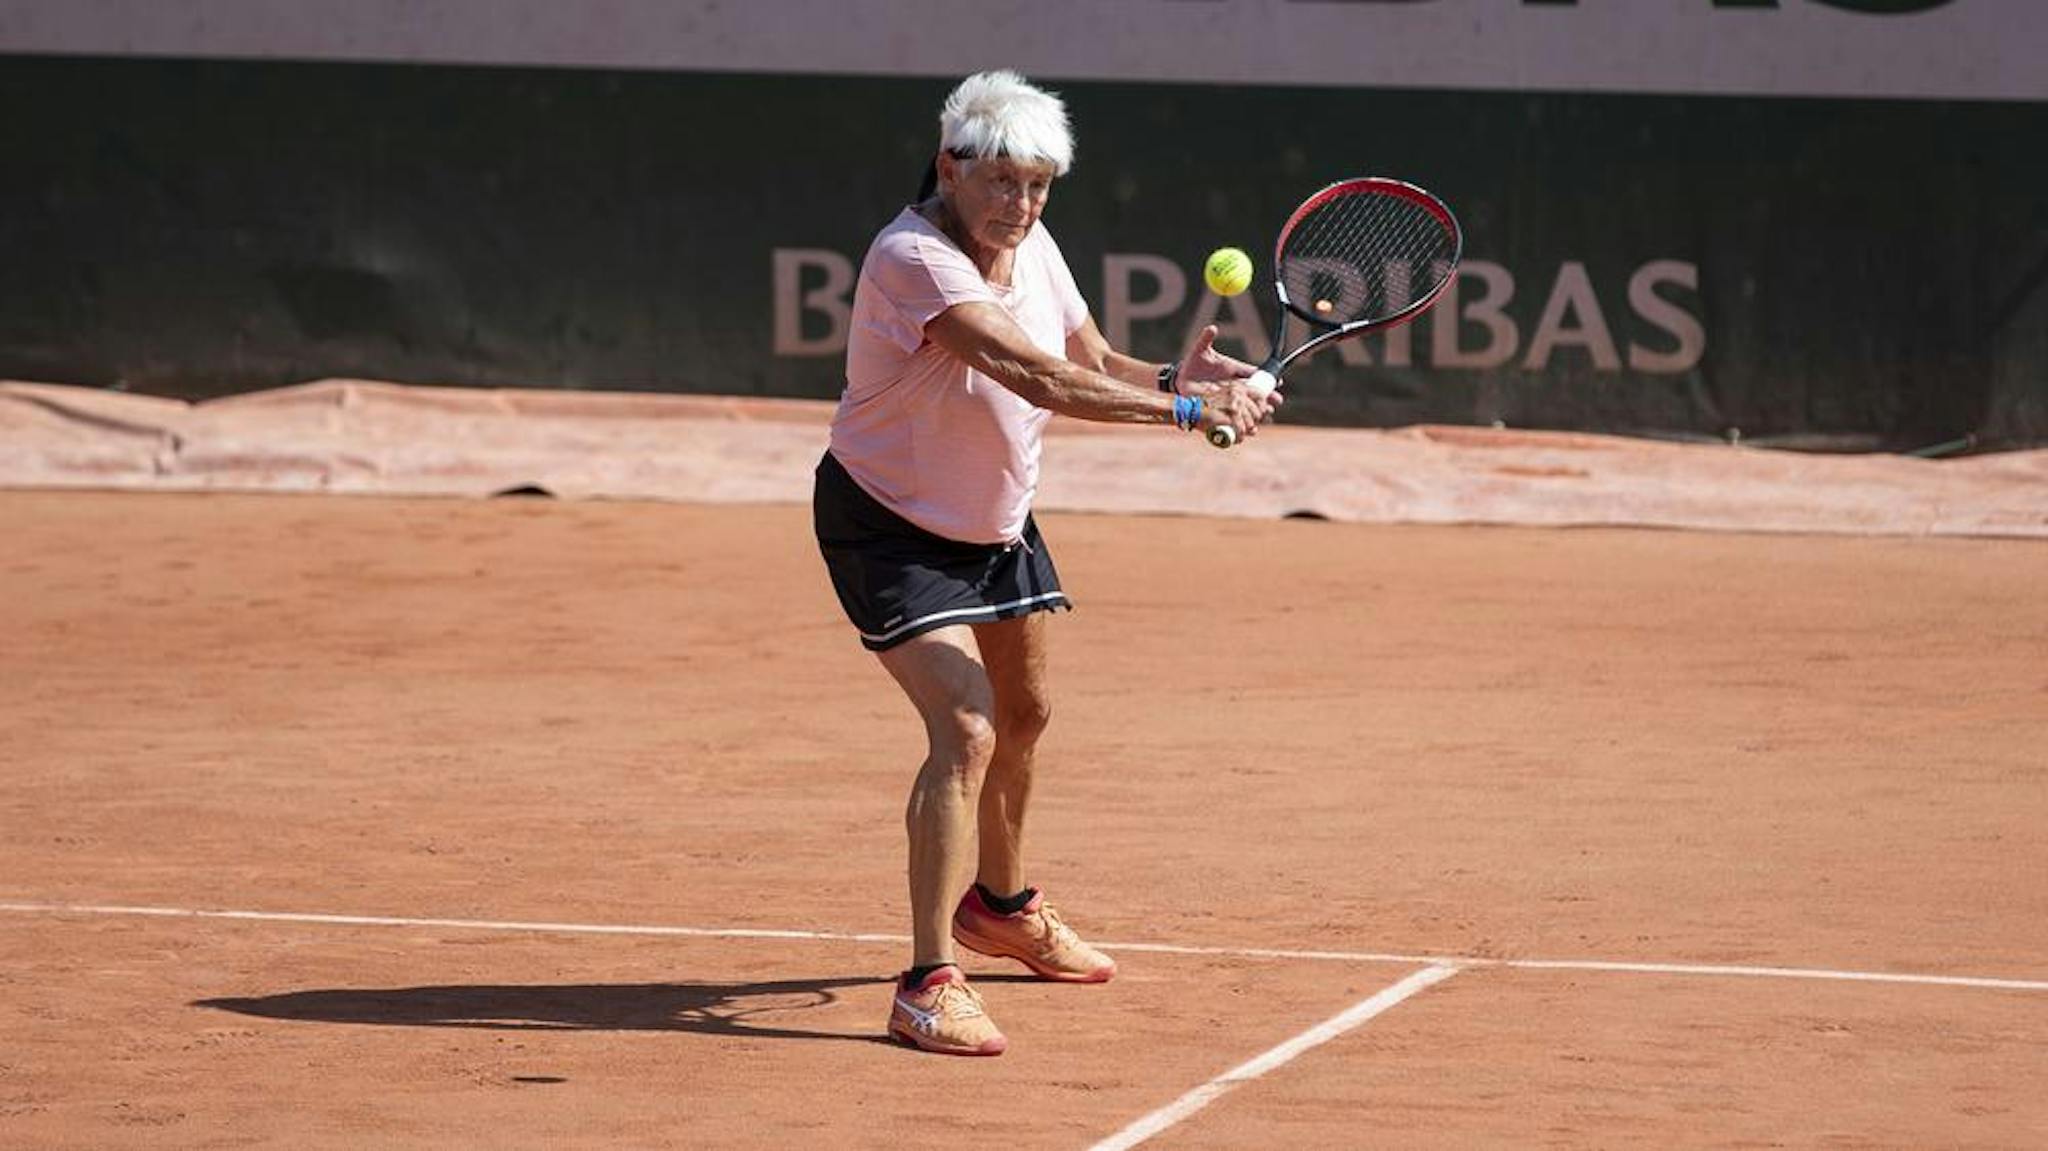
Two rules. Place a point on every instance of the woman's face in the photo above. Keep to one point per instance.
(996, 199)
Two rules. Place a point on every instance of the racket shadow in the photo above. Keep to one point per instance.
(748, 1010)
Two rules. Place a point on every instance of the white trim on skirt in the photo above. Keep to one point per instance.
(989, 610)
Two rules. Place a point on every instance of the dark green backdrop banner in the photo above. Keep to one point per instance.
(1820, 272)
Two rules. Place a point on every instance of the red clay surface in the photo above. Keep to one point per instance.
(1520, 744)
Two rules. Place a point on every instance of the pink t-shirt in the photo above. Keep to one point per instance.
(933, 440)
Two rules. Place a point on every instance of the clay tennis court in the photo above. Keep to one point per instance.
(344, 821)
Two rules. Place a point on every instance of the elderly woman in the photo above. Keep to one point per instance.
(968, 335)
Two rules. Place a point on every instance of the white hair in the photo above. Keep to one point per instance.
(1001, 114)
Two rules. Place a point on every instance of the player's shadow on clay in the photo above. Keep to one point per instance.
(748, 1010)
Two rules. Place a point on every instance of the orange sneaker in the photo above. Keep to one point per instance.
(1035, 937)
(945, 1015)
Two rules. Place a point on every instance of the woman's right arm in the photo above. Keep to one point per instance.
(987, 339)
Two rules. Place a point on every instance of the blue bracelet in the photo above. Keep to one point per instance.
(1187, 412)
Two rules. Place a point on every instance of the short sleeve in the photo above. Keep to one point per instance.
(919, 277)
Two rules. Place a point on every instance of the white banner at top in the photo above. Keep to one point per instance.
(1929, 49)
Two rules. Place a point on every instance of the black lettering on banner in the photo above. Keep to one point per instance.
(1885, 7)
(1866, 7)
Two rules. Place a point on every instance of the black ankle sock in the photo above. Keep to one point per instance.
(1006, 904)
(916, 975)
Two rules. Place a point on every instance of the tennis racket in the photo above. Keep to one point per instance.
(1362, 255)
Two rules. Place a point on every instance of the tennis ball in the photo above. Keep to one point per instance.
(1228, 272)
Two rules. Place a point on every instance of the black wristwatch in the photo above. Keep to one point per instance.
(1169, 376)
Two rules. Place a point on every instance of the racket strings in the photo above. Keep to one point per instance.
(1365, 255)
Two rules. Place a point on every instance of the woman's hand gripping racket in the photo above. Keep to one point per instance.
(1362, 255)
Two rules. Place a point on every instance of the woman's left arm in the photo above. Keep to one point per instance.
(1195, 374)
(1088, 348)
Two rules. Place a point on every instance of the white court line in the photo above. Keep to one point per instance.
(1705, 969)
(1736, 971)
(463, 924)
(1150, 1125)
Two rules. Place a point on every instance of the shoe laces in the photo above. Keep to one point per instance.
(959, 1001)
(1056, 929)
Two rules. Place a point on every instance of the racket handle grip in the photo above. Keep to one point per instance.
(1262, 383)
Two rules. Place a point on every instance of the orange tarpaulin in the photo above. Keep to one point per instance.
(352, 436)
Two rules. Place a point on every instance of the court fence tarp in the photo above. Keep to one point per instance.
(1840, 273)
(379, 438)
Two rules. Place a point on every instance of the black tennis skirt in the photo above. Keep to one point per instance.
(897, 580)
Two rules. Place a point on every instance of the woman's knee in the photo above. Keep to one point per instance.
(965, 740)
(1021, 721)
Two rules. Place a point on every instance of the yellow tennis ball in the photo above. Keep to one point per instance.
(1228, 272)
